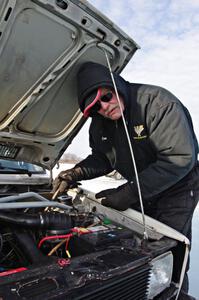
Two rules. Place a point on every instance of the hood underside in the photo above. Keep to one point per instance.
(42, 45)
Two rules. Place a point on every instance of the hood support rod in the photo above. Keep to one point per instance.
(145, 235)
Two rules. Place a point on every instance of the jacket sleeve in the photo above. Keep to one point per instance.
(99, 162)
(95, 165)
(172, 137)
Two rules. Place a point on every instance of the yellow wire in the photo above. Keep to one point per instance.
(56, 247)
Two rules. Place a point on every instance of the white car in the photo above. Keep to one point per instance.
(73, 247)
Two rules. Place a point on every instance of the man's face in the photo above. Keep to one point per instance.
(111, 109)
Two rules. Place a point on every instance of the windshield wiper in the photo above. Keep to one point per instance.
(18, 170)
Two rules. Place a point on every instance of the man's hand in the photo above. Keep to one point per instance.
(120, 198)
(67, 179)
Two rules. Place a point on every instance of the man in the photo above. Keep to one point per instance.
(163, 142)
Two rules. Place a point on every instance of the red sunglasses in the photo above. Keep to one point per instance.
(95, 106)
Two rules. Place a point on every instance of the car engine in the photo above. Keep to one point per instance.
(30, 234)
(68, 249)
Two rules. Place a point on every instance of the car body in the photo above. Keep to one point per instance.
(73, 247)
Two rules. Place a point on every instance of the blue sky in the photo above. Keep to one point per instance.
(168, 34)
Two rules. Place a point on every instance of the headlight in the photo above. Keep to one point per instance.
(162, 267)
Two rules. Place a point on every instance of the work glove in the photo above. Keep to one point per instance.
(67, 179)
(120, 198)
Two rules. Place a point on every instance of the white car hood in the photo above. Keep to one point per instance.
(42, 45)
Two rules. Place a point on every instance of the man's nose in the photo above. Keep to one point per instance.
(104, 105)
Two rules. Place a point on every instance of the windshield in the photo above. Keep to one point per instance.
(19, 167)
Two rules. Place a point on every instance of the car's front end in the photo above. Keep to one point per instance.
(72, 249)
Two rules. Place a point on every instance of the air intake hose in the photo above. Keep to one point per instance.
(49, 220)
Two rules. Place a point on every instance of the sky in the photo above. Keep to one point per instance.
(168, 33)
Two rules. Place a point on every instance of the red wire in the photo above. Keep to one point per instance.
(13, 271)
(67, 242)
(54, 237)
(62, 236)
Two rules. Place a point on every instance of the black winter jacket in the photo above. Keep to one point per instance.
(160, 129)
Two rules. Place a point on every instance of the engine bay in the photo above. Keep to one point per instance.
(30, 234)
(69, 248)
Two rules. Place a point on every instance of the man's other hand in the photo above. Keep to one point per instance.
(120, 198)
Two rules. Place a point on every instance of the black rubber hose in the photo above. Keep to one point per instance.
(28, 245)
(49, 220)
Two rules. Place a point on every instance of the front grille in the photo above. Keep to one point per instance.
(132, 285)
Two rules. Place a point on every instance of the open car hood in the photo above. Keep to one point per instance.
(42, 45)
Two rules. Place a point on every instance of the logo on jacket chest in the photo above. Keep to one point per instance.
(140, 132)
